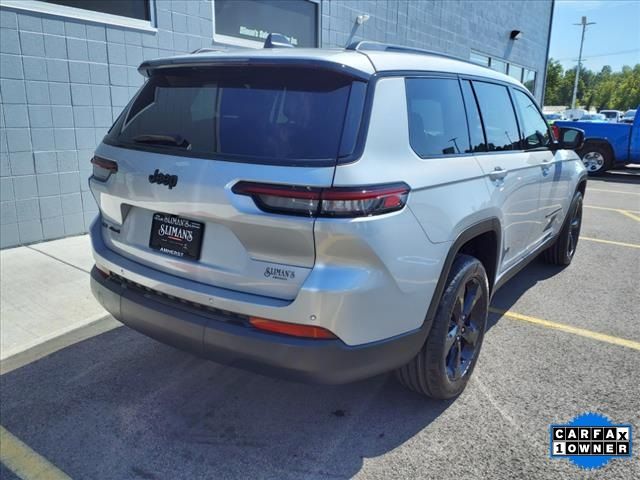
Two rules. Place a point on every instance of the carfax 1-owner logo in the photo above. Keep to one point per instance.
(590, 440)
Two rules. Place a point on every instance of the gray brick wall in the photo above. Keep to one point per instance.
(62, 83)
(449, 26)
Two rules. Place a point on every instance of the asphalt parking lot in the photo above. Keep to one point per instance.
(121, 405)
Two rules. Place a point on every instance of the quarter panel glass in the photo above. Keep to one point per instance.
(437, 123)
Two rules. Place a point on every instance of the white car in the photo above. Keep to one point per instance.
(574, 114)
(328, 215)
(593, 117)
(612, 116)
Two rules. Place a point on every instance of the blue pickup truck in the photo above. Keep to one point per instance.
(607, 145)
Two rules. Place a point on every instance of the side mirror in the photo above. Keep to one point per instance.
(571, 139)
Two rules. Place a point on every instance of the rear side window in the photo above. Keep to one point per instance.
(499, 119)
(437, 123)
(266, 114)
(535, 132)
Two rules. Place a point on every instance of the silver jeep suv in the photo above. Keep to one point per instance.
(328, 214)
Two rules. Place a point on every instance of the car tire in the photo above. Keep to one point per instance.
(444, 364)
(564, 248)
(596, 159)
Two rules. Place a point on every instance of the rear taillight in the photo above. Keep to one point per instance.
(103, 168)
(326, 202)
(556, 132)
(292, 329)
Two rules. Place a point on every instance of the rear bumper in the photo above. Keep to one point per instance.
(227, 339)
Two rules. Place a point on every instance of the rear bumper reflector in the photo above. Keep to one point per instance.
(293, 329)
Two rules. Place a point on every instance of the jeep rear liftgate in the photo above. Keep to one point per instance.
(165, 173)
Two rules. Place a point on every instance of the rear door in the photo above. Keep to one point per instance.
(188, 137)
(555, 180)
(512, 176)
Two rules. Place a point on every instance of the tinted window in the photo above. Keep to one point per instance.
(534, 128)
(133, 9)
(437, 123)
(473, 118)
(497, 114)
(279, 115)
(252, 19)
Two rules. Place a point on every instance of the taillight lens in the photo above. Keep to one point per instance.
(556, 132)
(103, 168)
(292, 329)
(326, 202)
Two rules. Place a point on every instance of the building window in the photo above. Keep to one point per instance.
(249, 22)
(133, 8)
(515, 71)
(527, 77)
(479, 58)
(498, 65)
(529, 80)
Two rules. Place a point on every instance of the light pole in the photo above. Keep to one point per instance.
(575, 84)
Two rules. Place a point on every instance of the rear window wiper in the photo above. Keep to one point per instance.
(170, 140)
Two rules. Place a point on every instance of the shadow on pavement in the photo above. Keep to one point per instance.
(528, 277)
(121, 405)
(629, 175)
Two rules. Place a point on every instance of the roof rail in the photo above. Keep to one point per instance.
(368, 45)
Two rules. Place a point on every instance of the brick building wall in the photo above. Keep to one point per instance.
(63, 81)
(449, 26)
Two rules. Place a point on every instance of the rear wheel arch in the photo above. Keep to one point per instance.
(487, 234)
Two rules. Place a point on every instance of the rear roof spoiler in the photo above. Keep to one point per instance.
(244, 58)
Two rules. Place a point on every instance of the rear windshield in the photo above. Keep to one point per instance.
(263, 114)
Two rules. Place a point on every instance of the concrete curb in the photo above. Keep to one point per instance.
(16, 358)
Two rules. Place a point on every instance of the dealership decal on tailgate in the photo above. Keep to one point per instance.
(176, 236)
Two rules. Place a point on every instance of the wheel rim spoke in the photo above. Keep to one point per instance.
(471, 334)
(451, 339)
(472, 295)
(457, 311)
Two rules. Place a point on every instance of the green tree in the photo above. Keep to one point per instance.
(555, 72)
(603, 90)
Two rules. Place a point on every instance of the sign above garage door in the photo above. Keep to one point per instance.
(248, 22)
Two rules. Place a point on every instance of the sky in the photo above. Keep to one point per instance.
(614, 40)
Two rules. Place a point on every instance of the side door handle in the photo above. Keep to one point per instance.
(546, 165)
(498, 173)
